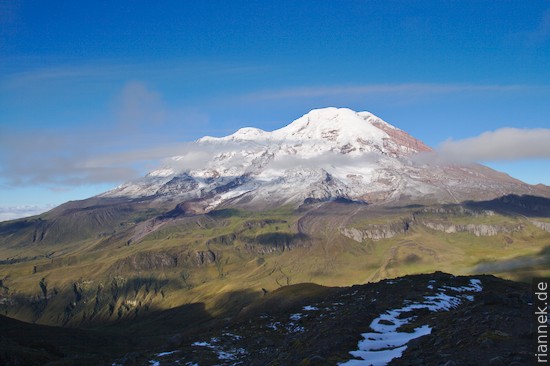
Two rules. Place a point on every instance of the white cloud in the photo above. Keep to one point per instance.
(190, 156)
(16, 212)
(106, 71)
(138, 105)
(505, 144)
(140, 122)
(325, 160)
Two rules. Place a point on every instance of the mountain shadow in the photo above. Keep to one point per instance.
(32, 344)
(512, 204)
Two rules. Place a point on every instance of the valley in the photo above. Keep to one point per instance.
(188, 271)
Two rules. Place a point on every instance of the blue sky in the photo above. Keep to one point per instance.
(92, 93)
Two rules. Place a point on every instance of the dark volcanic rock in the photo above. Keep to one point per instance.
(490, 327)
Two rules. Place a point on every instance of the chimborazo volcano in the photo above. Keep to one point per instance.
(326, 154)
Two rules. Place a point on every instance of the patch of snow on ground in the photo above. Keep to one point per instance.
(296, 316)
(222, 355)
(222, 352)
(234, 336)
(293, 328)
(385, 343)
(378, 358)
(475, 286)
(274, 325)
(202, 344)
(309, 308)
(162, 354)
(154, 363)
(440, 302)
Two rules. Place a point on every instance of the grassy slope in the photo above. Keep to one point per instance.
(244, 261)
(112, 288)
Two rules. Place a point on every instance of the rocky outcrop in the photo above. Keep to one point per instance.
(541, 225)
(376, 232)
(477, 230)
(147, 261)
(424, 218)
(152, 261)
(183, 183)
(205, 257)
(255, 224)
(405, 142)
(227, 239)
(443, 218)
(275, 242)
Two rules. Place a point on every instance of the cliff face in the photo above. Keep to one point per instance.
(379, 232)
(477, 230)
(376, 231)
(440, 219)
(541, 225)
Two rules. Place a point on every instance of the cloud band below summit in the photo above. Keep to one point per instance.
(504, 144)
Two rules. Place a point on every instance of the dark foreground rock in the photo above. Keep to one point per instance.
(488, 327)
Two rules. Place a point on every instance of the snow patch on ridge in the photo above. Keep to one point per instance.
(385, 342)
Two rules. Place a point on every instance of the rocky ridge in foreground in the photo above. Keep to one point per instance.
(446, 320)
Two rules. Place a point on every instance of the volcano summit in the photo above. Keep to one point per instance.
(326, 154)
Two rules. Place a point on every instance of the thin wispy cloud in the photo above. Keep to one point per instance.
(54, 160)
(107, 71)
(122, 149)
(63, 74)
(415, 89)
(138, 105)
(504, 144)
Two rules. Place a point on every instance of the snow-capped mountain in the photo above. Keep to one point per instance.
(327, 153)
